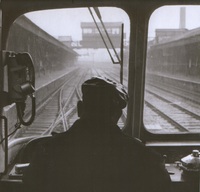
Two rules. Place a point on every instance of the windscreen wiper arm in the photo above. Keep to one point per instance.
(99, 16)
(120, 61)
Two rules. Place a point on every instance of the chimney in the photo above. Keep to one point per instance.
(182, 18)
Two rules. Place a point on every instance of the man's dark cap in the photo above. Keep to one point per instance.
(99, 86)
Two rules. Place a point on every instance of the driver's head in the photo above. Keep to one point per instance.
(103, 97)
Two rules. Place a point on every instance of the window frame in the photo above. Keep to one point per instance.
(163, 139)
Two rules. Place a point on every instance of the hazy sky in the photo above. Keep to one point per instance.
(169, 17)
(64, 22)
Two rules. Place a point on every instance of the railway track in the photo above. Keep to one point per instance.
(166, 111)
(169, 113)
(162, 113)
(68, 103)
(59, 111)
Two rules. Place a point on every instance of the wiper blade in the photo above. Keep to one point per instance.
(110, 41)
(120, 61)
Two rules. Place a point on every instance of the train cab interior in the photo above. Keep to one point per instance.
(152, 47)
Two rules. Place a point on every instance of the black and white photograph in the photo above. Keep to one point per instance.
(99, 96)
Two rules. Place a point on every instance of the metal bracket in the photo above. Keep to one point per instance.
(5, 141)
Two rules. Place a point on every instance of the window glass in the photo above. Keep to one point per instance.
(172, 87)
(63, 42)
(87, 30)
(115, 31)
